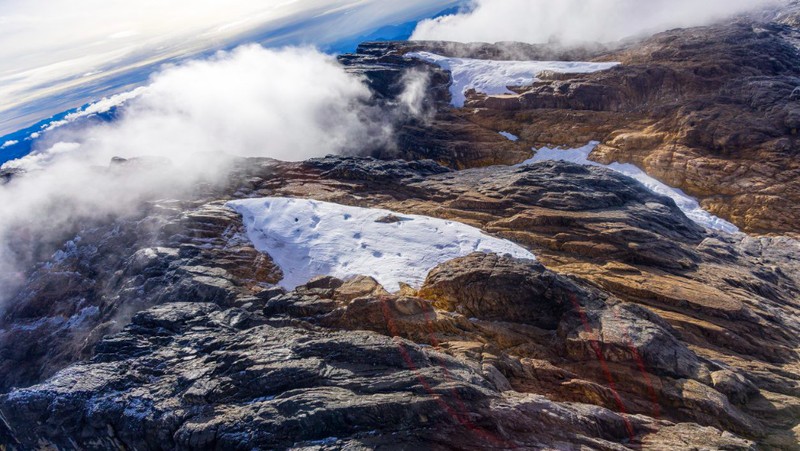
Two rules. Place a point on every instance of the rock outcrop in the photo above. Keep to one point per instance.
(196, 376)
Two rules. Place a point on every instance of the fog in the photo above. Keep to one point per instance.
(58, 54)
(540, 21)
(288, 104)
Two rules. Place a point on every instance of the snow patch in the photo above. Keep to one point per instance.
(690, 207)
(510, 136)
(494, 77)
(309, 238)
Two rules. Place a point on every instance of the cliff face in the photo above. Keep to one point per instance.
(635, 328)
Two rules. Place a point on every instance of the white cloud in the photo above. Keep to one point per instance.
(289, 104)
(538, 21)
(48, 47)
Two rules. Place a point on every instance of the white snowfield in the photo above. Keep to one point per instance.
(690, 207)
(308, 238)
(494, 77)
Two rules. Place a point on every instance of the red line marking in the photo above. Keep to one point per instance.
(393, 330)
(604, 365)
(642, 369)
(449, 377)
(461, 417)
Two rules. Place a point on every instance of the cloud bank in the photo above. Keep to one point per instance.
(540, 21)
(59, 54)
(289, 104)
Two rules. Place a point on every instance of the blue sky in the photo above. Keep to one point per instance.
(60, 54)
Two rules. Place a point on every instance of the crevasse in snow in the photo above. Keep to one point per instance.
(690, 207)
(494, 77)
(308, 238)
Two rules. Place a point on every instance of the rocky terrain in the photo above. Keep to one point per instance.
(635, 328)
(711, 110)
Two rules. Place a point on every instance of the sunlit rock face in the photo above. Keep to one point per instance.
(625, 288)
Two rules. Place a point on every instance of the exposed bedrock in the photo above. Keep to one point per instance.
(635, 327)
(196, 376)
(711, 110)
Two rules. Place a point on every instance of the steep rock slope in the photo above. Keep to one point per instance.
(641, 328)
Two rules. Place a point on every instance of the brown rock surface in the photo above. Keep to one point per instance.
(710, 110)
(635, 328)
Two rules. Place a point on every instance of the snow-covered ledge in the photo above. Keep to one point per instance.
(689, 205)
(494, 77)
(308, 238)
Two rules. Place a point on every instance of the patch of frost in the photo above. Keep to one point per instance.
(509, 136)
(79, 318)
(309, 238)
(494, 77)
(39, 323)
(138, 408)
(690, 207)
(70, 250)
(59, 322)
(325, 441)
